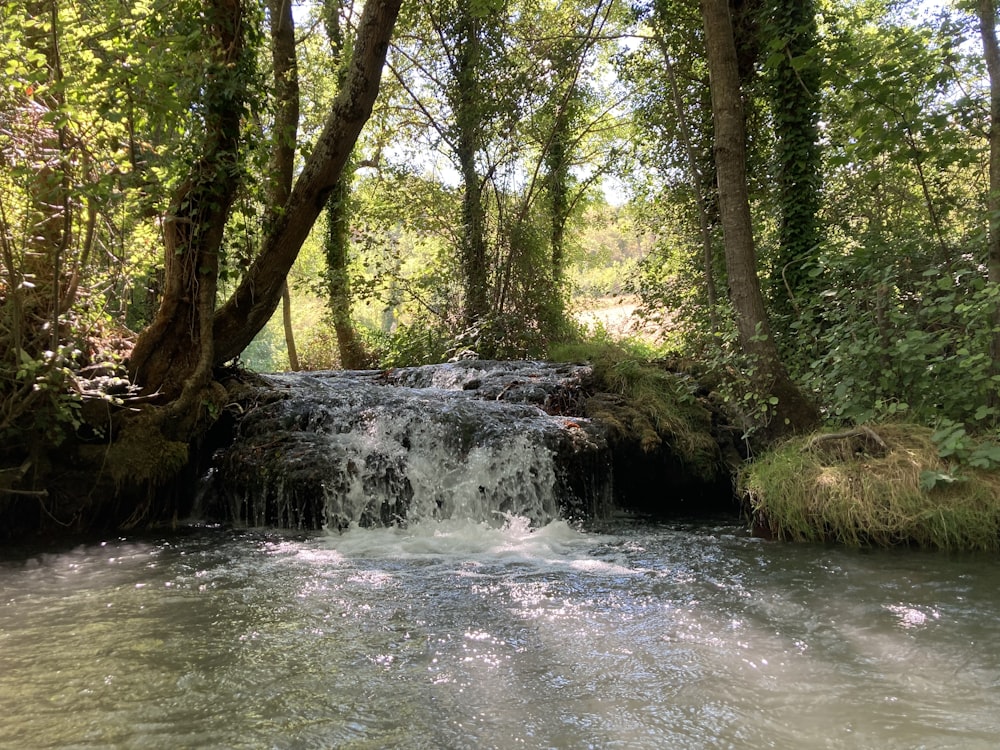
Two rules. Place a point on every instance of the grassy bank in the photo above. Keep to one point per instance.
(883, 485)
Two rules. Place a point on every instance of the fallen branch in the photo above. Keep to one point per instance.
(860, 431)
(35, 493)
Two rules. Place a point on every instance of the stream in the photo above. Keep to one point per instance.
(462, 634)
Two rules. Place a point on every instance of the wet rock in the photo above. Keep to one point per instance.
(480, 440)
(476, 439)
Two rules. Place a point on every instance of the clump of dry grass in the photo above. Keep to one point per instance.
(863, 487)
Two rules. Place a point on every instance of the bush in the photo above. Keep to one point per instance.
(885, 344)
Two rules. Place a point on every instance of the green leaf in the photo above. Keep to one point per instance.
(930, 479)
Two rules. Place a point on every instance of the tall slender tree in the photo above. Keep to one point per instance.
(987, 12)
(792, 410)
(466, 28)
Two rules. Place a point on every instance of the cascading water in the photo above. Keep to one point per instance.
(471, 440)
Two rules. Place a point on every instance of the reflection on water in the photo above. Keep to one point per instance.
(455, 635)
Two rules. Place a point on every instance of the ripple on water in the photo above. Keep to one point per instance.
(474, 635)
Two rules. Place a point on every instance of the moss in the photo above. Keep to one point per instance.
(864, 487)
(141, 455)
(643, 401)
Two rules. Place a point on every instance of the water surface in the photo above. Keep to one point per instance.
(463, 635)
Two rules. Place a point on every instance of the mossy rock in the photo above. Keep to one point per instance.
(142, 455)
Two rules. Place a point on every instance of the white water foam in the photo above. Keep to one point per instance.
(469, 545)
(407, 455)
(348, 449)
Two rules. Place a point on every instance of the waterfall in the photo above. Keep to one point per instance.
(470, 440)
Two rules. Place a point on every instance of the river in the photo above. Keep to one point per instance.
(456, 634)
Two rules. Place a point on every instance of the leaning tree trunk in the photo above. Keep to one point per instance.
(793, 410)
(175, 353)
(258, 295)
(337, 241)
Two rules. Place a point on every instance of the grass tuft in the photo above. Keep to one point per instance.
(866, 487)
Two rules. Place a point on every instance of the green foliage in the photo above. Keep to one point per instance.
(885, 344)
(961, 451)
(99, 102)
(416, 343)
(42, 407)
(606, 254)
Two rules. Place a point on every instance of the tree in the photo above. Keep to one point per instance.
(508, 92)
(987, 12)
(466, 29)
(792, 410)
(793, 90)
(337, 239)
(569, 134)
(176, 354)
(285, 129)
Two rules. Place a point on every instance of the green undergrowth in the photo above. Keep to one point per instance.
(874, 486)
(642, 400)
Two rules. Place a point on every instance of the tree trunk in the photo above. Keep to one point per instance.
(794, 91)
(286, 320)
(557, 162)
(286, 123)
(174, 354)
(793, 411)
(337, 242)
(286, 109)
(987, 24)
(257, 296)
(468, 125)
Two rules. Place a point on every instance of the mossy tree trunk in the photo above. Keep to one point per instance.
(467, 97)
(794, 94)
(175, 353)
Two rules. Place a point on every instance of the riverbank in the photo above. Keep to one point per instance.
(664, 449)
